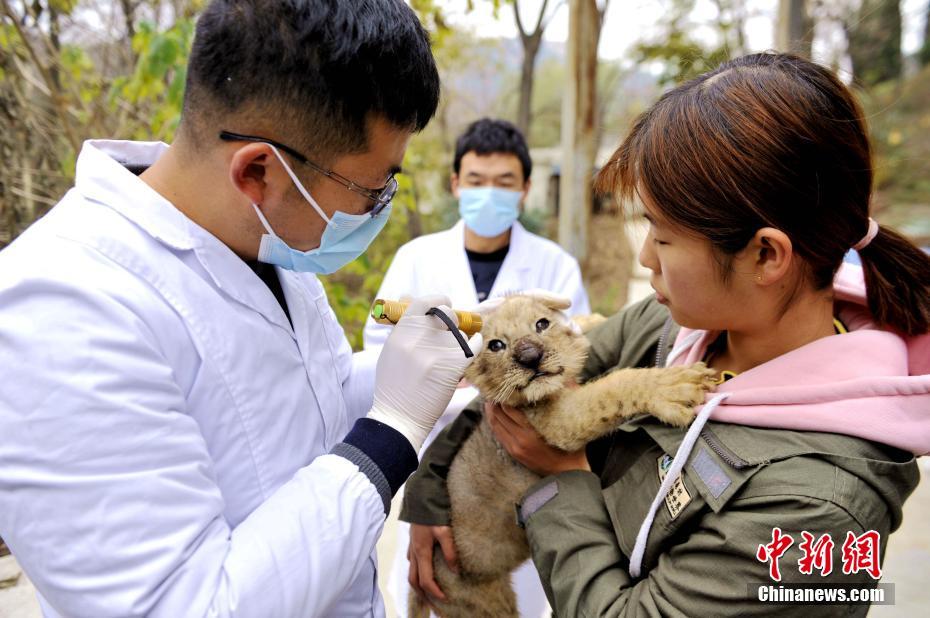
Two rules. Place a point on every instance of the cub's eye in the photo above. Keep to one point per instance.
(496, 345)
(542, 325)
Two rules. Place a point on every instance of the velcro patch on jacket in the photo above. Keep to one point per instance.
(711, 473)
(678, 497)
(535, 501)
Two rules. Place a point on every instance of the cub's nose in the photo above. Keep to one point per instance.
(528, 354)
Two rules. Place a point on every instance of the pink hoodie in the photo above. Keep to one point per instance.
(869, 383)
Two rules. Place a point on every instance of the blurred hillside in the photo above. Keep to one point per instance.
(899, 116)
(480, 78)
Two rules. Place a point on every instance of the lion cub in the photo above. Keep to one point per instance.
(531, 356)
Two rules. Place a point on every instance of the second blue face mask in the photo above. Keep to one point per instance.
(489, 211)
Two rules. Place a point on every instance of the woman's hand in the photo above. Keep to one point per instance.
(420, 554)
(525, 444)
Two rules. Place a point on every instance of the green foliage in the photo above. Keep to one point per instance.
(874, 33)
(64, 7)
(433, 20)
(116, 87)
(7, 36)
(157, 81)
(536, 221)
(9, 46)
(683, 57)
(923, 56)
(900, 130)
(81, 78)
(495, 6)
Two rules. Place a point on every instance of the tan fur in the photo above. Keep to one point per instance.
(587, 322)
(485, 482)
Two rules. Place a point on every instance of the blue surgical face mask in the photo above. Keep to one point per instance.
(345, 238)
(489, 211)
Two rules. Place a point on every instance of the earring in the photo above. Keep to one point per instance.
(759, 278)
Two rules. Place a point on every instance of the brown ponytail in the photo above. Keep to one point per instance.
(897, 280)
(773, 140)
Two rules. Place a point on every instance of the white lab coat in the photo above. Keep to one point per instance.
(437, 264)
(163, 429)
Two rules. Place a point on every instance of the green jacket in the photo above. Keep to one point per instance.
(738, 484)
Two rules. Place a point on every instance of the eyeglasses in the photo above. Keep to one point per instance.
(381, 197)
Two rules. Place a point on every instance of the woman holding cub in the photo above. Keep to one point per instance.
(756, 179)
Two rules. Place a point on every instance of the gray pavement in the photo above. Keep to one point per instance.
(17, 596)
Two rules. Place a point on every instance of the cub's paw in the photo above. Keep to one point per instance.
(588, 322)
(678, 391)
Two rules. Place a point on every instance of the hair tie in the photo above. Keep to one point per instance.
(873, 231)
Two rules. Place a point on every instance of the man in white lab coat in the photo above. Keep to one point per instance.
(485, 255)
(183, 429)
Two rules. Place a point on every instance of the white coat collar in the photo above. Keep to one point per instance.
(101, 177)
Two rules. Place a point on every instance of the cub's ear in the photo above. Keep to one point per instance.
(550, 300)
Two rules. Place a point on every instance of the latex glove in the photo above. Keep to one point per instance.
(419, 367)
(487, 306)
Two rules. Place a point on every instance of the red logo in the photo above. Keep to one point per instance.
(773, 551)
(817, 555)
(860, 553)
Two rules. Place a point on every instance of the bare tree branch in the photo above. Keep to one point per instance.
(516, 14)
(539, 19)
(552, 14)
(46, 76)
(32, 196)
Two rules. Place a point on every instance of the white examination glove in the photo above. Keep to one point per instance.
(420, 365)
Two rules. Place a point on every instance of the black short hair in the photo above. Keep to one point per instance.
(489, 135)
(314, 70)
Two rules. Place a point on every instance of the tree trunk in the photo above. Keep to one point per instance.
(531, 42)
(874, 35)
(54, 36)
(29, 204)
(794, 28)
(924, 54)
(527, 75)
(579, 111)
(731, 21)
(129, 19)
